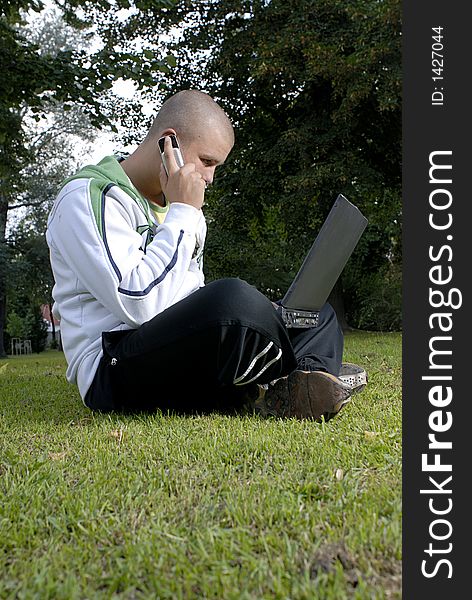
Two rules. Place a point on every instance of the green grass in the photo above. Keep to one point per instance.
(159, 506)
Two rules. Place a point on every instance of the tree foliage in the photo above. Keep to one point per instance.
(36, 78)
(313, 88)
(48, 70)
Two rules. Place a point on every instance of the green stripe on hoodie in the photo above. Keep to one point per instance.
(107, 171)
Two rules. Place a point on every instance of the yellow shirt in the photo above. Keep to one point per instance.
(160, 211)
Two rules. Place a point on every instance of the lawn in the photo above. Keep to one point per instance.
(161, 506)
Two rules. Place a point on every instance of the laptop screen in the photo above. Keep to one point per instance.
(327, 257)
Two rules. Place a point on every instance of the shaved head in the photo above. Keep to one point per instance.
(206, 137)
(191, 113)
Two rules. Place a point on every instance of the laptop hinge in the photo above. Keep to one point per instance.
(299, 318)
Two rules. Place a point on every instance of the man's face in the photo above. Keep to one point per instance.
(207, 150)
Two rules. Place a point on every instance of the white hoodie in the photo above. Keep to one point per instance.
(114, 266)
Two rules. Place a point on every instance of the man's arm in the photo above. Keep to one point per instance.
(108, 259)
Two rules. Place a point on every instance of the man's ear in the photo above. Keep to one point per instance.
(168, 131)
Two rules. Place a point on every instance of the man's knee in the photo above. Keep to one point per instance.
(229, 286)
(238, 299)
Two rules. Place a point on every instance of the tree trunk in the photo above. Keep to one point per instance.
(337, 302)
(3, 354)
(3, 270)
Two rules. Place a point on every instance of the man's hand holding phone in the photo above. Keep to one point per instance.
(180, 184)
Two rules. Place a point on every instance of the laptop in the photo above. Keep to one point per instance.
(323, 264)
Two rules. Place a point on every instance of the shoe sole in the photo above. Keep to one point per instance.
(354, 376)
(307, 395)
(325, 394)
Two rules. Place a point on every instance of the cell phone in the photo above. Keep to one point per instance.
(179, 159)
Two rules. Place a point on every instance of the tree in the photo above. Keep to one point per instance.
(30, 282)
(33, 80)
(314, 90)
(46, 70)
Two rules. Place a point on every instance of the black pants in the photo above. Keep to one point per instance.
(201, 353)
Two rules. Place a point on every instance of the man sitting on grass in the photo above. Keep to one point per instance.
(140, 330)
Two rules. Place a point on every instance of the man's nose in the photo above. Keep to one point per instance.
(208, 175)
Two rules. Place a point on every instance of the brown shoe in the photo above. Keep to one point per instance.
(305, 395)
